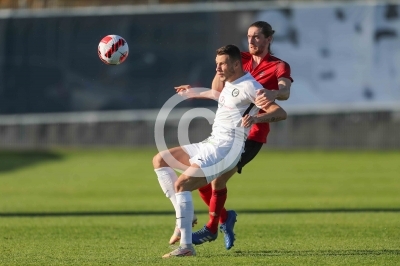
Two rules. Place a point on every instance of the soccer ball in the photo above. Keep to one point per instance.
(113, 50)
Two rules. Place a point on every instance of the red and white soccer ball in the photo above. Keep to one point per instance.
(113, 50)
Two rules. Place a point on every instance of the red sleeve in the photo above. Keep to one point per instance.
(283, 70)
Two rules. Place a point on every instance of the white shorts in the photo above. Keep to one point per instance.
(215, 157)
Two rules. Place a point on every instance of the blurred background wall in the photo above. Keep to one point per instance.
(54, 90)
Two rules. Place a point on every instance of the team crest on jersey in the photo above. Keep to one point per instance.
(235, 92)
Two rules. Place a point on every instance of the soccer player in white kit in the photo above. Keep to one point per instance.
(217, 154)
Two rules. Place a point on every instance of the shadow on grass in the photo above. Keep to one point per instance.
(143, 213)
(13, 160)
(296, 253)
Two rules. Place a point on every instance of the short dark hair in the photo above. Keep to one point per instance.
(232, 50)
(265, 27)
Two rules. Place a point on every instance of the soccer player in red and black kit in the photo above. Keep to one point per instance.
(274, 75)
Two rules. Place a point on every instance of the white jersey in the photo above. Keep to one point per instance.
(234, 100)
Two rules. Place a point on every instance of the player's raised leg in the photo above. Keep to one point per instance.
(163, 164)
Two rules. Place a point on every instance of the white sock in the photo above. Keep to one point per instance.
(166, 178)
(184, 216)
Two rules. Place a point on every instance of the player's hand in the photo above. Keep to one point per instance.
(184, 91)
(264, 98)
(247, 121)
(182, 88)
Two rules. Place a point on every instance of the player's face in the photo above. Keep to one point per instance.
(258, 43)
(225, 67)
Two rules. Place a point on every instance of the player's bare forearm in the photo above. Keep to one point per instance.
(268, 118)
(266, 97)
(210, 94)
(284, 89)
(200, 93)
(283, 93)
(273, 113)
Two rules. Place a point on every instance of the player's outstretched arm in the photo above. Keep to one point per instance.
(188, 92)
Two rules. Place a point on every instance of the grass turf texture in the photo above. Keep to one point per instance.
(105, 207)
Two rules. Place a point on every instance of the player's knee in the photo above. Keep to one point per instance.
(221, 181)
(189, 183)
(219, 184)
(158, 161)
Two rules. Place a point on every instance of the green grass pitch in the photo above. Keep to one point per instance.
(105, 207)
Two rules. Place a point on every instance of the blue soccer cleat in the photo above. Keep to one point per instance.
(203, 235)
(227, 229)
